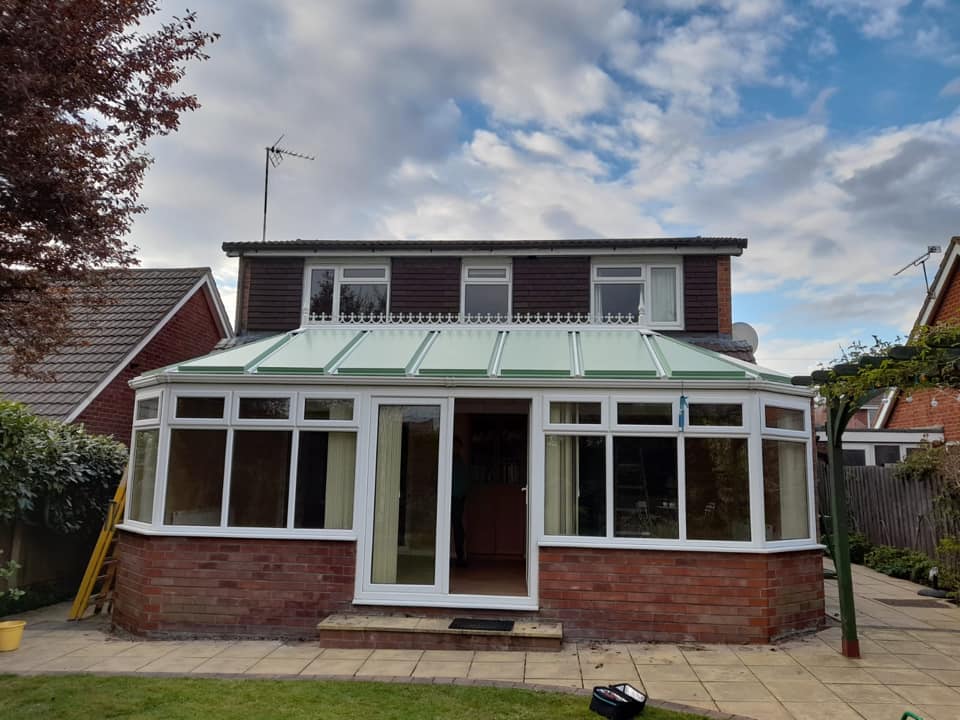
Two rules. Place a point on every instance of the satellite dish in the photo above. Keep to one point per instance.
(744, 331)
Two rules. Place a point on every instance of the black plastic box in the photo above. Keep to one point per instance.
(618, 702)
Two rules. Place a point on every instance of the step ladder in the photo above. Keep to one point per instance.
(96, 588)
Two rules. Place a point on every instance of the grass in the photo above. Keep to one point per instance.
(85, 697)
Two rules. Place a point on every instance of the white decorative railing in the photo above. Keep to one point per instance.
(487, 319)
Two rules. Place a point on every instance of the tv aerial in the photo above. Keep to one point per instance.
(274, 156)
(922, 262)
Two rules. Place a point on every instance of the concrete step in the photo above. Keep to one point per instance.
(433, 633)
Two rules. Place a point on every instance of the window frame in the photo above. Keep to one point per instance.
(468, 264)
(301, 409)
(704, 398)
(646, 265)
(224, 420)
(148, 395)
(339, 267)
(158, 424)
(246, 423)
(576, 428)
(619, 428)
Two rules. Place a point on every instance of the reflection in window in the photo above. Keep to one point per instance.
(717, 488)
(321, 292)
(618, 301)
(575, 413)
(144, 474)
(641, 413)
(783, 418)
(263, 408)
(326, 467)
(854, 458)
(148, 408)
(886, 454)
(327, 409)
(363, 298)
(482, 300)
(645, 495)
(189, 406)
(195, 477)
(575, 486)
(716, 414)
(785, 498)
(259, 478)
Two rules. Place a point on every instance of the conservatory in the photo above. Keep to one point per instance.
(617, 480)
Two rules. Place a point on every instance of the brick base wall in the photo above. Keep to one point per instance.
(282, 588)
(641, 595)
(168, 586)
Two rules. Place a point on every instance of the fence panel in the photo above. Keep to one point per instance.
(889, 510)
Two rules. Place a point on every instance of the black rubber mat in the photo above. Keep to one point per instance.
(481, 624)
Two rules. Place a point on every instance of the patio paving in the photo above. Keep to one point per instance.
(911, 661)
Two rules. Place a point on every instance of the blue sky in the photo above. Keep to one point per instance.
(827, 132)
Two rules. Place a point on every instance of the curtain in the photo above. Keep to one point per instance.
(794, 515)
(560, 475)
(663, 295)
(386, 509)
(341, 470)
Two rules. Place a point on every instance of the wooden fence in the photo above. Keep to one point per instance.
(889, 510)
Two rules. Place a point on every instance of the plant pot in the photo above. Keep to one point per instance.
(11, 632)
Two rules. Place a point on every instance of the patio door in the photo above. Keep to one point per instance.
(406, 533)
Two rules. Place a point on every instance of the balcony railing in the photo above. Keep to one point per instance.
(478, 320)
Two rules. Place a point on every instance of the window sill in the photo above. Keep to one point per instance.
(679, 546)
(238, 533)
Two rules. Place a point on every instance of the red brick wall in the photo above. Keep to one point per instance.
(213, 586)
(640, 595)
(724, 296)
(192, 331)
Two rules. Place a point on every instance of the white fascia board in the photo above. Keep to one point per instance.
(206, 280)
(523, 252)
(890, 437)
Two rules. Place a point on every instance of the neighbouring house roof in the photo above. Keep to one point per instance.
(476, 352)
(730, 245)
(139, 302)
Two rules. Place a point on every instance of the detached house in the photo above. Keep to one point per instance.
(559, 431)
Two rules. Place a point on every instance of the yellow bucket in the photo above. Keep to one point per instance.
(11, 631)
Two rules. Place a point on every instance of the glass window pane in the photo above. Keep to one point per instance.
(366, 299)
(886, 454)
(854, 458)
(718, 489)
(716, 414)
(620, 272)
(405, 495)
(641, 413)
(486, 300)
(327, 409)
(259, 478)
(783, 418)
(365, 273)
(195, 477)
(487, 273)
(663, 295)
(645, 495)
(575, 413)
(785, 498)
(199, 407)
(148, 408)
(575, 491)
(144, 474)
(618, 300)
(321, 292)
(263, 408)
(326, 467)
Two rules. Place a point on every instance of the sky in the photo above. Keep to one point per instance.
(826, 132)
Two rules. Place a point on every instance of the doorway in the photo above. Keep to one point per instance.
(488, 504)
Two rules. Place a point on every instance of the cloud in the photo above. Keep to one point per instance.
(951, 88)
(874, 18)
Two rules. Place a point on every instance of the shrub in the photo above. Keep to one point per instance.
(900, 563)
(8, 571)
(53, 474)
(860, 547)
(948, 562)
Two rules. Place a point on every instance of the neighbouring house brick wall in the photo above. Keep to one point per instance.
(701, 293)
(640, 595)
(425, 285)
(551, 284)
(724, 296)
(271, 294)
(191, 332)
(918, 412)
(214, 586)
(252, 587)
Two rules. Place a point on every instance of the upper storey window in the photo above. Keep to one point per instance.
(348, 290)
(637, 292)
(486, 291)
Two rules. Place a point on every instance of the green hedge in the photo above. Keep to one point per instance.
(900, 563)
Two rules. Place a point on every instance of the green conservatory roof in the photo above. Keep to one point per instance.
(475, 352)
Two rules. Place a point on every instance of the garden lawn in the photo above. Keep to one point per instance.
(85, 697)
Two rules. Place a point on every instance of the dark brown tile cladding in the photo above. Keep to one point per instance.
(425, 285)
(551, 284)
(274, 294)
(701, 306)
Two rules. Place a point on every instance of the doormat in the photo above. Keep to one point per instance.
(918, 603)
(478, 624)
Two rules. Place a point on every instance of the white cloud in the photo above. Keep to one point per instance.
(875, 18)
(951, 88)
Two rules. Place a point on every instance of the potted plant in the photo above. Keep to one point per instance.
(11, 631)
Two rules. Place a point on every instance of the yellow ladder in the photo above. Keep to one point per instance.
(98, 580)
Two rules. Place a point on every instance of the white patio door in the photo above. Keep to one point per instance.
(406, 548)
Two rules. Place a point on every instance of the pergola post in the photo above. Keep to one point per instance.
(839, 413)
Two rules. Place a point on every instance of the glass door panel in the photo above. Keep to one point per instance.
(404, 543)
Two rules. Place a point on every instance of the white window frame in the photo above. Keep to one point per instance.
(338, 268)
(645, 266)
(138, 426)
(700, 398)
(148, 395)
(172, 419)
(577, 428)
(627, 429)
(238, 421)
(507, 280)
(301, 410)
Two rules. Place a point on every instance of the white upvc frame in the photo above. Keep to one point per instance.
(301, 409)
(699, 397)
(468, 264)
(171, 415)
(647, 398)
(338, 266)
(290, 397)
(148, 395)
(644, 279)
(141, 426)
(576, 428)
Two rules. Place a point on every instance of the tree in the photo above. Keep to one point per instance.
(84, 88)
